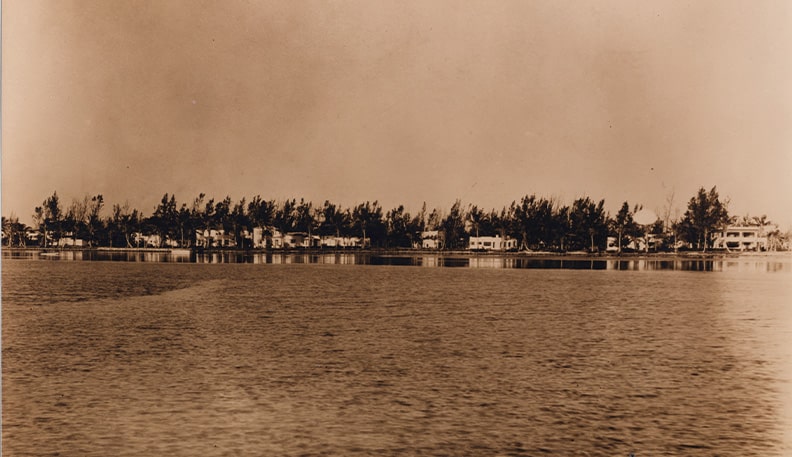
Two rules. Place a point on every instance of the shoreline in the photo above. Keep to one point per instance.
(693, 255)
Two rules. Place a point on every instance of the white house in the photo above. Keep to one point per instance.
(68, 240)
(633, 244)
(343, 242)
(292, 240)
(260, 238)
(211, 238)
(747, 238)
(270, 237)
(146, 241)
(431, 239)
(491, 243)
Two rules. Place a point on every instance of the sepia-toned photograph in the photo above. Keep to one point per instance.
(396, 228)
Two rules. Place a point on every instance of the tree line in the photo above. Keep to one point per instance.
(537, 223)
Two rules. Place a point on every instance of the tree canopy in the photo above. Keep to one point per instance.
(536, 223)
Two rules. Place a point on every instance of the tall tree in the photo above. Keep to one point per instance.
(38, 224)
(186, 227)
(14, 232)
(367, 219)
(53, 218)
(397, 222)
(261, 212)
(535, 223)
(94, 223)
(561, 229)
(416, 227)
(454, 227)
(164, 221)
(333, 220)
(240, 222)
(587, 219)
(435, 220)
(284, 216)
(475, 216)
(304, 217)
(77, 217)
(222, 214)
(200, 217)
(622, 223)
(704, 216)
(123, 222)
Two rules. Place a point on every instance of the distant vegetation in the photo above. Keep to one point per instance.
(537, 223)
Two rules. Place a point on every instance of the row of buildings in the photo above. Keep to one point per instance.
(260, 238)
(274, 239)
(733, 238)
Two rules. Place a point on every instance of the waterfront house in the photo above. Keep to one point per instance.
(742, 238)
(32, 237)
(146, 241)
(261, 239)
(343, 242)
(68, 240)
(291, 240)
(432, 239)
(211, 238)
(639, 244)
(330, 242)
(491, 243)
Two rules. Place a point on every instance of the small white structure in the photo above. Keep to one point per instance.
(343, 242)
(68, 240)
(431, 239)
(747, 238)
(146, 241)
(640, 243)
(491, 243)
(612, 245)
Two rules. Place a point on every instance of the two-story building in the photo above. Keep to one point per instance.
(291, 240)
(211, 238)
(742, 238)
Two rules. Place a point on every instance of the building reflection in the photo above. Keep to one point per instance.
(434, 260)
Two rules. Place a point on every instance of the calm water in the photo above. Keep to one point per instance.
(427, 259)
(148, 358)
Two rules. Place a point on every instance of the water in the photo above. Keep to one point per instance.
(770, 263)
(148, 358)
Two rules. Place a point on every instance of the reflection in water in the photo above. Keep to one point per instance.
(749, 264)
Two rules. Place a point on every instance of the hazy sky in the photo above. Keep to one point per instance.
(401, 102)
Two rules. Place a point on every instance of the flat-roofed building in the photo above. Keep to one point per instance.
(432, 239)
(742, 238)
(491, 243)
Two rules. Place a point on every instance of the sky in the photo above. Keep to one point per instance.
(402, 102)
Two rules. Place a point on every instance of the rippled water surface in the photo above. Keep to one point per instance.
(122, 358)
